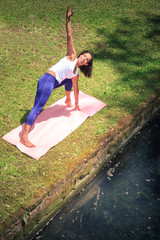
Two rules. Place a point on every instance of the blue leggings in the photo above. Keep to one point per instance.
(45, 86)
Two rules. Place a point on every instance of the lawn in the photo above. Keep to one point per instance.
(124, 39)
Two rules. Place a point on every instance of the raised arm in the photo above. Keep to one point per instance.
(71, 53)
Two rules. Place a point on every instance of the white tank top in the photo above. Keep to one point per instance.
(64, 69)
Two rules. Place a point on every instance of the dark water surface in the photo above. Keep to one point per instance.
(125, 206)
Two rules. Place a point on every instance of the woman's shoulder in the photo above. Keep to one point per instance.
(71, 57)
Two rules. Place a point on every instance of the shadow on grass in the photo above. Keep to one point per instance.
(132, 48)
(23, 119)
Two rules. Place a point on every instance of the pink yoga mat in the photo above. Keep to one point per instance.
(53, 124)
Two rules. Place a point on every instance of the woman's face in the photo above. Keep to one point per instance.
(84, 59)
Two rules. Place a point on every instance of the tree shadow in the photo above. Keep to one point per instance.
(154, 33)
(132, 48)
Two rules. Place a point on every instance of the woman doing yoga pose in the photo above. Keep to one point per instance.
(65, 72)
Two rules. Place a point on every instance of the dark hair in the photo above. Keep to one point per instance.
(87, 69)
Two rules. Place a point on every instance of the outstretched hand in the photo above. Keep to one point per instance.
(69, 12)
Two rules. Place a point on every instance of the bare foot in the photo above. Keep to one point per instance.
(68, 102)
(26, 142)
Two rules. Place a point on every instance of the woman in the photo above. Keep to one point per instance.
(65, 72)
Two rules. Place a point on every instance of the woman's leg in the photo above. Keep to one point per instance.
(44, 89)
(24, 138)
(68, 87)
(68, 99)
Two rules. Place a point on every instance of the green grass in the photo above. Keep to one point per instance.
(124, 38)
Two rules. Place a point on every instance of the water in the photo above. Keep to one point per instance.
(125, 206)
